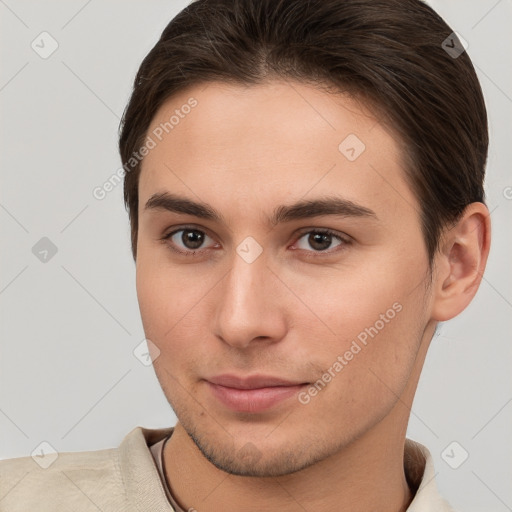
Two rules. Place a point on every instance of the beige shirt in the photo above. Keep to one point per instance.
(128, 479)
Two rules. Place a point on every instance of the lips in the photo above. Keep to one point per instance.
(252, 394)
(251, 382)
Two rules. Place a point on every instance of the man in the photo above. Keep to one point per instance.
(305, 188)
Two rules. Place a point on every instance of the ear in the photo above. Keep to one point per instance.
(460, 262)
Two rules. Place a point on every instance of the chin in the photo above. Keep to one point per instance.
(256, 460)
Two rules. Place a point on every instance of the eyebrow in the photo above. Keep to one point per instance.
(332, 205)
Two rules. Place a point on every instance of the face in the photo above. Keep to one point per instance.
(281, 272)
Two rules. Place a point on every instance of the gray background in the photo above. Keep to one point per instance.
(69, 326)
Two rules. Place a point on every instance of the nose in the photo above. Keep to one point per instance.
(250, 310)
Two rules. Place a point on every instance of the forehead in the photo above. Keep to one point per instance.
(272, 142)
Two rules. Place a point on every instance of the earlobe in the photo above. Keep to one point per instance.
(461, 262)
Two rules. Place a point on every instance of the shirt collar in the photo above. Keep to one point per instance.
(420, 474)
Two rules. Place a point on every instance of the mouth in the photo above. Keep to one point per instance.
(252, 394)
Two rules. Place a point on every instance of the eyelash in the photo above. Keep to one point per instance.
(345, 240)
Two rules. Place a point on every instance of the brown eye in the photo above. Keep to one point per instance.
(318, 241)
(192, 239)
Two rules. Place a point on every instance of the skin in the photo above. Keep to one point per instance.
(245, 151)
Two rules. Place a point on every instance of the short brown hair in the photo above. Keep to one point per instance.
(393, 54)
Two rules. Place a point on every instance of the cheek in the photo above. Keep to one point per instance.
(364, 375)
(367, 323)
(174, 304)
(379, 356)
(161, 296)
(345, 303)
